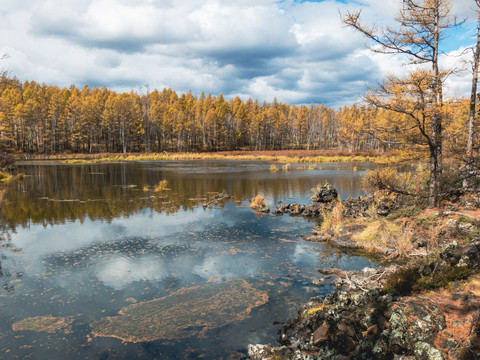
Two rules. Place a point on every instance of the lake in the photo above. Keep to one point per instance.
(95, 264)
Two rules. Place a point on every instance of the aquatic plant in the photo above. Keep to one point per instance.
(48, 324)
(161, 186)
(274, 168)
(258, 202)
(184, 313)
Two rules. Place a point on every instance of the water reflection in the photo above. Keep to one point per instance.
(54, 194)
(111, 244)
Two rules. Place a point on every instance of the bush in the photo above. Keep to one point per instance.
(390, 181)
(6, 160)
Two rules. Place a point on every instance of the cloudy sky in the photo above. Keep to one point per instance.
(297, 51)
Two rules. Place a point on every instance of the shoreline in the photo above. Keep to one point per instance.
(280, 156)
(427, 307)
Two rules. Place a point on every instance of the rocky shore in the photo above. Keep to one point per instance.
(428, 308)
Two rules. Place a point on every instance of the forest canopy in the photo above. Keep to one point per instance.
(45, 119)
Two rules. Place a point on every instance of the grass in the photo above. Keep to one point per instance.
(258, 202)
(284, 156)
(333, 219)
(381, 235)
(161, 186)
(5, 177)
(274, 168)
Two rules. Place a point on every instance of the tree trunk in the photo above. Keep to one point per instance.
(471, 118)
(436, 132)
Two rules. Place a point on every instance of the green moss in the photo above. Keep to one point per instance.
(443, 278)
(405, 212)
(427, 222)
(402, 282)
(408, 279)
(462, 219)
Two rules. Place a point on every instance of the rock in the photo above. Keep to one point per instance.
(413, 320)
(321, 334)
(324, 194)
(466, 255)
(318, 282)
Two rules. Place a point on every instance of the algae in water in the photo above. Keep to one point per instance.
(184, 313)
(47, 324)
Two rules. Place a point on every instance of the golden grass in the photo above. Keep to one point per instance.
(286, 167)
(380, 235)
(333, 219)
(274, 168)
(258, 202)
(5, 177)
(285, 157)
(161, 186)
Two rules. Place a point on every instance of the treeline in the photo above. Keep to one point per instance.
(36, 118)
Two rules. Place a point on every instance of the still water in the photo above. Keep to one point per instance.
(95, 264)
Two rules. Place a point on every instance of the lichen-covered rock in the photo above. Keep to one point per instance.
(324, 194)
(467, 255)
(413, 323)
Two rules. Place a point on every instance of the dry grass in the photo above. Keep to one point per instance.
(286, 167)
(162, 186)
(274, 168)
(381, 235)
(5, 177)
(283, 156)
(334, 219)
(258, 202)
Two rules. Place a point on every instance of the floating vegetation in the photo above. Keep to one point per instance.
(47, 324)
(274, 168)
(286, 167)
(184, 313)
(161, 186)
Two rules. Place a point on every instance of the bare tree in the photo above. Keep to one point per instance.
(421, 25)
(473, 103)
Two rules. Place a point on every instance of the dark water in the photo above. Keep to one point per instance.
(82, 242)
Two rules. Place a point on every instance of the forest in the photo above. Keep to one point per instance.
(45, 119)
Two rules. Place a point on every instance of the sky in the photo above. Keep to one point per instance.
(296, 51)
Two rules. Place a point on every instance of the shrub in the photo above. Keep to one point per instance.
(389, 181)
(6, 160)
(403, 281)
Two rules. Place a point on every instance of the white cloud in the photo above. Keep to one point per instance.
(297, 52)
